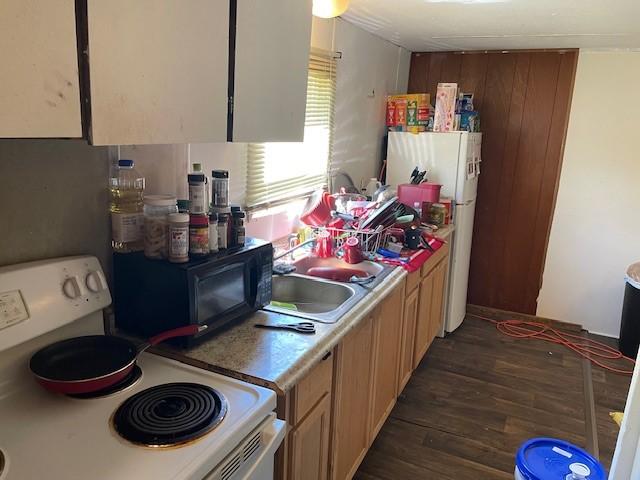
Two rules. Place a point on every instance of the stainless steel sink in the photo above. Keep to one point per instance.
(304, 264)
(319, 299)
(315, 299)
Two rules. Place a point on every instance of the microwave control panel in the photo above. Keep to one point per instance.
(264, 284)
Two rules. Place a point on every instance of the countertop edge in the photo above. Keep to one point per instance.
(292, 374)
(345, 325)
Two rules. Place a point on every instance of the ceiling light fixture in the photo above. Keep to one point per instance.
(329, 8)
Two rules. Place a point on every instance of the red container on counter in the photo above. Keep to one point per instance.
(409, 194)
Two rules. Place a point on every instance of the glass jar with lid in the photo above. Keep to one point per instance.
(156, 230)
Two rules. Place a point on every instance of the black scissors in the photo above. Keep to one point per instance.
(300, 327)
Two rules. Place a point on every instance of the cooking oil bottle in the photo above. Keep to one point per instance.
(126, 189)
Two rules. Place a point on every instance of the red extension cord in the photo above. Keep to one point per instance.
(593, 351)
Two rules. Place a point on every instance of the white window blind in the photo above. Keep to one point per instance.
(279, 172)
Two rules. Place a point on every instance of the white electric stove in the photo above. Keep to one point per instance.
(48, 435)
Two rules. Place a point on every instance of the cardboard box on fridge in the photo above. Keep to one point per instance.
(408, 112)
(444, 120)
(397, 112)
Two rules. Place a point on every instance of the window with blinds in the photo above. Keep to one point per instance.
(280, 172)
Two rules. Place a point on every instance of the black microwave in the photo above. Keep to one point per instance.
(152, 296)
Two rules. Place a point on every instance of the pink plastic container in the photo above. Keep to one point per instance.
(425, 192)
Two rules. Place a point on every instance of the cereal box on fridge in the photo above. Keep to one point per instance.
(408, 112)
(446, 97)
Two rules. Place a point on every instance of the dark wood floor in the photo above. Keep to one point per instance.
(477, 395)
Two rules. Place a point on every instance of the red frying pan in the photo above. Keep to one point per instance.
(92, 363)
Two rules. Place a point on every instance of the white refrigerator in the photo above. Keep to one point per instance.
(453, 160)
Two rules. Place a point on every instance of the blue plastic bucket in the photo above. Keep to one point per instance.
(551, 459)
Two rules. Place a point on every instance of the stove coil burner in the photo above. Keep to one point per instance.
(128, 381)
(169, 415)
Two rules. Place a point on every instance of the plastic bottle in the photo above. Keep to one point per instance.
(220, 190)
(126, 189)
(198, 191)
(417, 206)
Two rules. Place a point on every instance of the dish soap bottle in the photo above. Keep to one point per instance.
(126, 189)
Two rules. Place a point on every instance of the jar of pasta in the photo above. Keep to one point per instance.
(156, 225)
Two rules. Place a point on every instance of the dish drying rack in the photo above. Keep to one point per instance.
(370, 240)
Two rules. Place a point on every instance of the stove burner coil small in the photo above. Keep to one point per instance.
(170, 414)
(128, 381)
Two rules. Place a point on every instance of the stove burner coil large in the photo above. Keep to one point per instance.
(170, 414)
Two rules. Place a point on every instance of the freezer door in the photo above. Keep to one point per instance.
(459, 266)
(438, 153)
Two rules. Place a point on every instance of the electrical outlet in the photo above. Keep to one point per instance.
(12, 309)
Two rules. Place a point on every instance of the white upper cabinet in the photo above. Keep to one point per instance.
(271, 67)
(155, 71)
(39, 94)
(158, 71)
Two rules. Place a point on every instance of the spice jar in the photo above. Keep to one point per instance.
(198, 235)
(183, 206)
(220, 188)
(231, 232)
(213, 232)
(178, 237)
(238, 234)
(223, 231)
(156, 208)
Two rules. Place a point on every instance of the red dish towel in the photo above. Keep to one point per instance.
(416, 257)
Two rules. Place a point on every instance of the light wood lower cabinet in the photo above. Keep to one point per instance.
(304, 454)
(386, 349)
(423, 321)
(336, 411)
(351, 401)
(410, 317)
(437, 299)
(431, 303)
(309, 443)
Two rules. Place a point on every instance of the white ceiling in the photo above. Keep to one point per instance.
(432, 25)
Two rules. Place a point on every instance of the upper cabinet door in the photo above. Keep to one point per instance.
(158, 71)
(39, 75)
(271, 67)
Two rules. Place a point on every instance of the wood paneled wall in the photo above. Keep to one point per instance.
(524, 99)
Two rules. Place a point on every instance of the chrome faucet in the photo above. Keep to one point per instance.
(291, 250)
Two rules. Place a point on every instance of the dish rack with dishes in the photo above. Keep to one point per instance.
(370, 240)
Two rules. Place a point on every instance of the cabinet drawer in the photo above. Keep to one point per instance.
(433, 261)
(413, 280)
(312, 388)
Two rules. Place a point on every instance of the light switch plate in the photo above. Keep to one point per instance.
(12, 309)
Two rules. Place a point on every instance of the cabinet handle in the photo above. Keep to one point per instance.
(326, 355)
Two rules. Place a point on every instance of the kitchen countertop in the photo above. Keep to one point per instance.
(279, 359)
